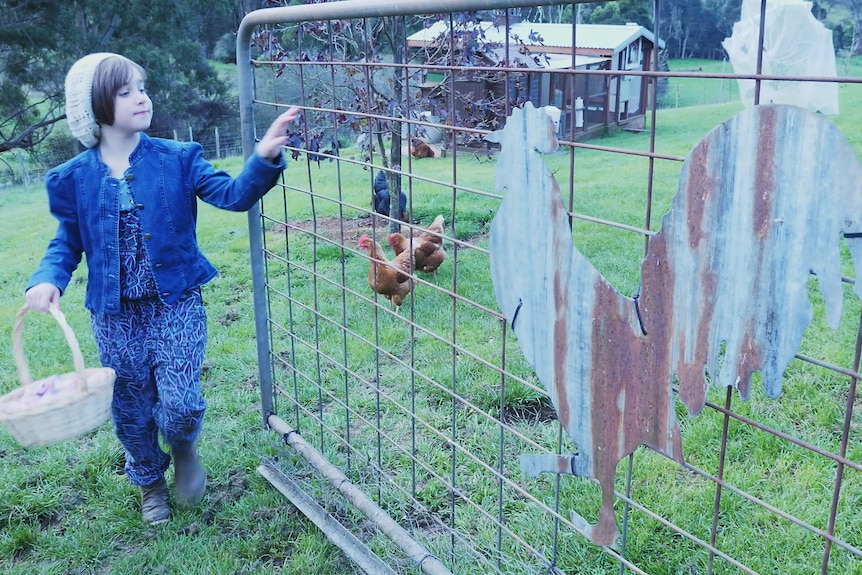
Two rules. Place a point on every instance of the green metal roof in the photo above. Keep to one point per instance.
(599, 37)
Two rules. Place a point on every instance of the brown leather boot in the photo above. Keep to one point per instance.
(190, 478)
(155, 505)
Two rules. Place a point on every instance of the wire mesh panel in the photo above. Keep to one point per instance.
(403, 389)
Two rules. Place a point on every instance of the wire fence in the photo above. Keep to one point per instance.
(401, 430)
(27, 169)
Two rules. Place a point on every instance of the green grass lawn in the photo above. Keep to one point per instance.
(68, 509)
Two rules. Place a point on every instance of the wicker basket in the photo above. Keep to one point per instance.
(58, 407)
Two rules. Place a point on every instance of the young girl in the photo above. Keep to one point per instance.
(129, 202)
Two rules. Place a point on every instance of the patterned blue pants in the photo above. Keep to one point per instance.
(157, 351)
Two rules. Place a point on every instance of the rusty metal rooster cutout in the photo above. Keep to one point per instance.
(762, 203)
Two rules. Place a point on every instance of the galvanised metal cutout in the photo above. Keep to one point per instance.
(762, 203)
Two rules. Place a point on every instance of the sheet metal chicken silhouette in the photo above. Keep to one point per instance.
(762, 203)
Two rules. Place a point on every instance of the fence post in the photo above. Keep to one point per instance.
(218, 146)
(23, 169)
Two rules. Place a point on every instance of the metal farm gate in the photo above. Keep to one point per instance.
(640, 351)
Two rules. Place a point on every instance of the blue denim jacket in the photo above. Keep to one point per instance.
(166, 178)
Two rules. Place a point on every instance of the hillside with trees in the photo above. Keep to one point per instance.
(173, 41)
(176, 42)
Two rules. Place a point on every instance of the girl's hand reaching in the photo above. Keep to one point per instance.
(270, 145)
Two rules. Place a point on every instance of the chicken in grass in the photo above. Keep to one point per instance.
(390, 279)
(428, 252)
(380, 198)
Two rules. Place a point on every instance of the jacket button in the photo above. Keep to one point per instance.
(148, 236)
(158, 265)
(140, 206)
(130, 177)
(166, 294)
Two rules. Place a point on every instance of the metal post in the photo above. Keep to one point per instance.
(397, 534)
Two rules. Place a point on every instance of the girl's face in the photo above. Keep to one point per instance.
(133, 109)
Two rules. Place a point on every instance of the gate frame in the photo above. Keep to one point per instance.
(337, 533)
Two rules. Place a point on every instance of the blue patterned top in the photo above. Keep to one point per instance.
(136, 274)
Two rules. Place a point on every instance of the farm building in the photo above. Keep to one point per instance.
(598, 101)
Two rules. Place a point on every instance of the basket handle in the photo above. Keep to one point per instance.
(18, 347)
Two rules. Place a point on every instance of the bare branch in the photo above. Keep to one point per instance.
(25, 140)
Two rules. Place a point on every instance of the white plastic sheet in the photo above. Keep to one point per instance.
(795, 44)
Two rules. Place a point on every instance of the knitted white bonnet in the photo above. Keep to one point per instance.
(79, 98)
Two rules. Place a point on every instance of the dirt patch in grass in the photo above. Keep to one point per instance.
(335, 229)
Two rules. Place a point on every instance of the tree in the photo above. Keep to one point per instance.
(696, 28)
(28, 29)
(854, 7)
(723, 14)
(374, 102)
(40, 39)
(623, 12)
(689, 28)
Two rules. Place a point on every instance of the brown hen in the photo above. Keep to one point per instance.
(390, 279)
(428, 252)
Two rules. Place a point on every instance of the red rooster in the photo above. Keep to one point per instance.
(390, 279)
(428, 252)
